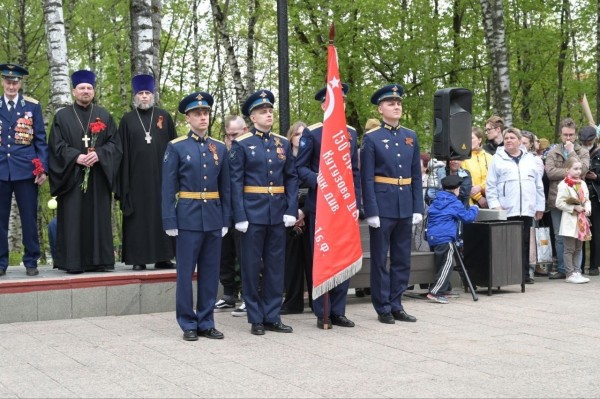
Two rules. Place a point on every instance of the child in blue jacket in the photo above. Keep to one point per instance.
(444, 213)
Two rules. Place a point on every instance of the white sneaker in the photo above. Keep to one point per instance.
(576, 278)
(582, 278)
(241, 311)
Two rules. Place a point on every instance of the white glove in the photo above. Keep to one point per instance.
(242, 227)
(172, 232)
(224, 231)
(417, 218)
(289, 221)
(374, 222)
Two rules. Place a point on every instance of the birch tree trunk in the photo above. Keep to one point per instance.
(156, 32)
(60, 93)
(495, 37)
(15, 237)
(252, 19)
(562, 56)
(219, 17)
(120, 61)
(145, 41)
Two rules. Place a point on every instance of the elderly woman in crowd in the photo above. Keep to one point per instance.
(514, 184)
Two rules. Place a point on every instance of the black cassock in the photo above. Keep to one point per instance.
(84, 240)
(140, 185)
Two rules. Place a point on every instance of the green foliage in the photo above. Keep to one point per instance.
(423, 45)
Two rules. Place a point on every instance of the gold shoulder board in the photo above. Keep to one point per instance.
(279, 135)
(178, 139)
(244, 136)
(31, 99)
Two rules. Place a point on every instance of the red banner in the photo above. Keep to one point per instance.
(338, 252)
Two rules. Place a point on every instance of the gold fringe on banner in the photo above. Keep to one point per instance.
(338, 279)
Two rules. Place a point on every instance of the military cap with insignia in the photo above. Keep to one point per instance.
(142, 83)
(321, 94)
(451, 182)
(389, 92)
(83, 76)
(199, 99)
(13, 71)
(259, 99)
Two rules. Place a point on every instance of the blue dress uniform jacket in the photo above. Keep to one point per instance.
(263, 160)
(23, 138)
(394, 153)
(391, 153)
(192, 164)
(309, 156)
(307, 165)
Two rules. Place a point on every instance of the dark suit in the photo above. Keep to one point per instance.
(261, 161)
(196, 168)
(307, 165)
(391, 153)
(23, 138)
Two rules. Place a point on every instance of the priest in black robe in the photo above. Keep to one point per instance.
(144, 134)
(84, 158)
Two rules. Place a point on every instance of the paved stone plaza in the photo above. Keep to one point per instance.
(544, 343)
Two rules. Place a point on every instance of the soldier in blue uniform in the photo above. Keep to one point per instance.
(393, 200)
(23, 164)
(264, 190)
(307, 165)
(196, 208)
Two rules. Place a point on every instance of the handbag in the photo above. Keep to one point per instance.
(532, 246)
(543, 244)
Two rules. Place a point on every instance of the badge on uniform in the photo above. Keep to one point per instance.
(302, 142)
(24, 130)
(386, 143)
(281, 153)
(213, 149)
(278, 142)
(252, 147)
(188, 157)
(409, 141)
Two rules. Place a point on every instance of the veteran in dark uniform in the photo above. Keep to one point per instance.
(307, 166)
(196, 208)
(393, 201)
(23, 164)
(264, 189)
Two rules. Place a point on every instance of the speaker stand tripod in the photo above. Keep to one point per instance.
(462, 271)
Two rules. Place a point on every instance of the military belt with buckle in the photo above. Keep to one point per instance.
(396, 181)
(202, 195)
(264, 190)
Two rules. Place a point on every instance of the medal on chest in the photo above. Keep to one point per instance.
(213, 149)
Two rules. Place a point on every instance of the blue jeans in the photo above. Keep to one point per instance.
(560, 248)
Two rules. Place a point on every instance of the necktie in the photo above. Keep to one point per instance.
(11, 111)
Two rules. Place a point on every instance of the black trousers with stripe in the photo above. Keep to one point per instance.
(444, 254)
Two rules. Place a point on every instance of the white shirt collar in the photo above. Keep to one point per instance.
(16, 100)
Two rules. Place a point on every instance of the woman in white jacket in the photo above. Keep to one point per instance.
(514, 184)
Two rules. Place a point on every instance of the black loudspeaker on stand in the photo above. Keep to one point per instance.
(452, 124)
